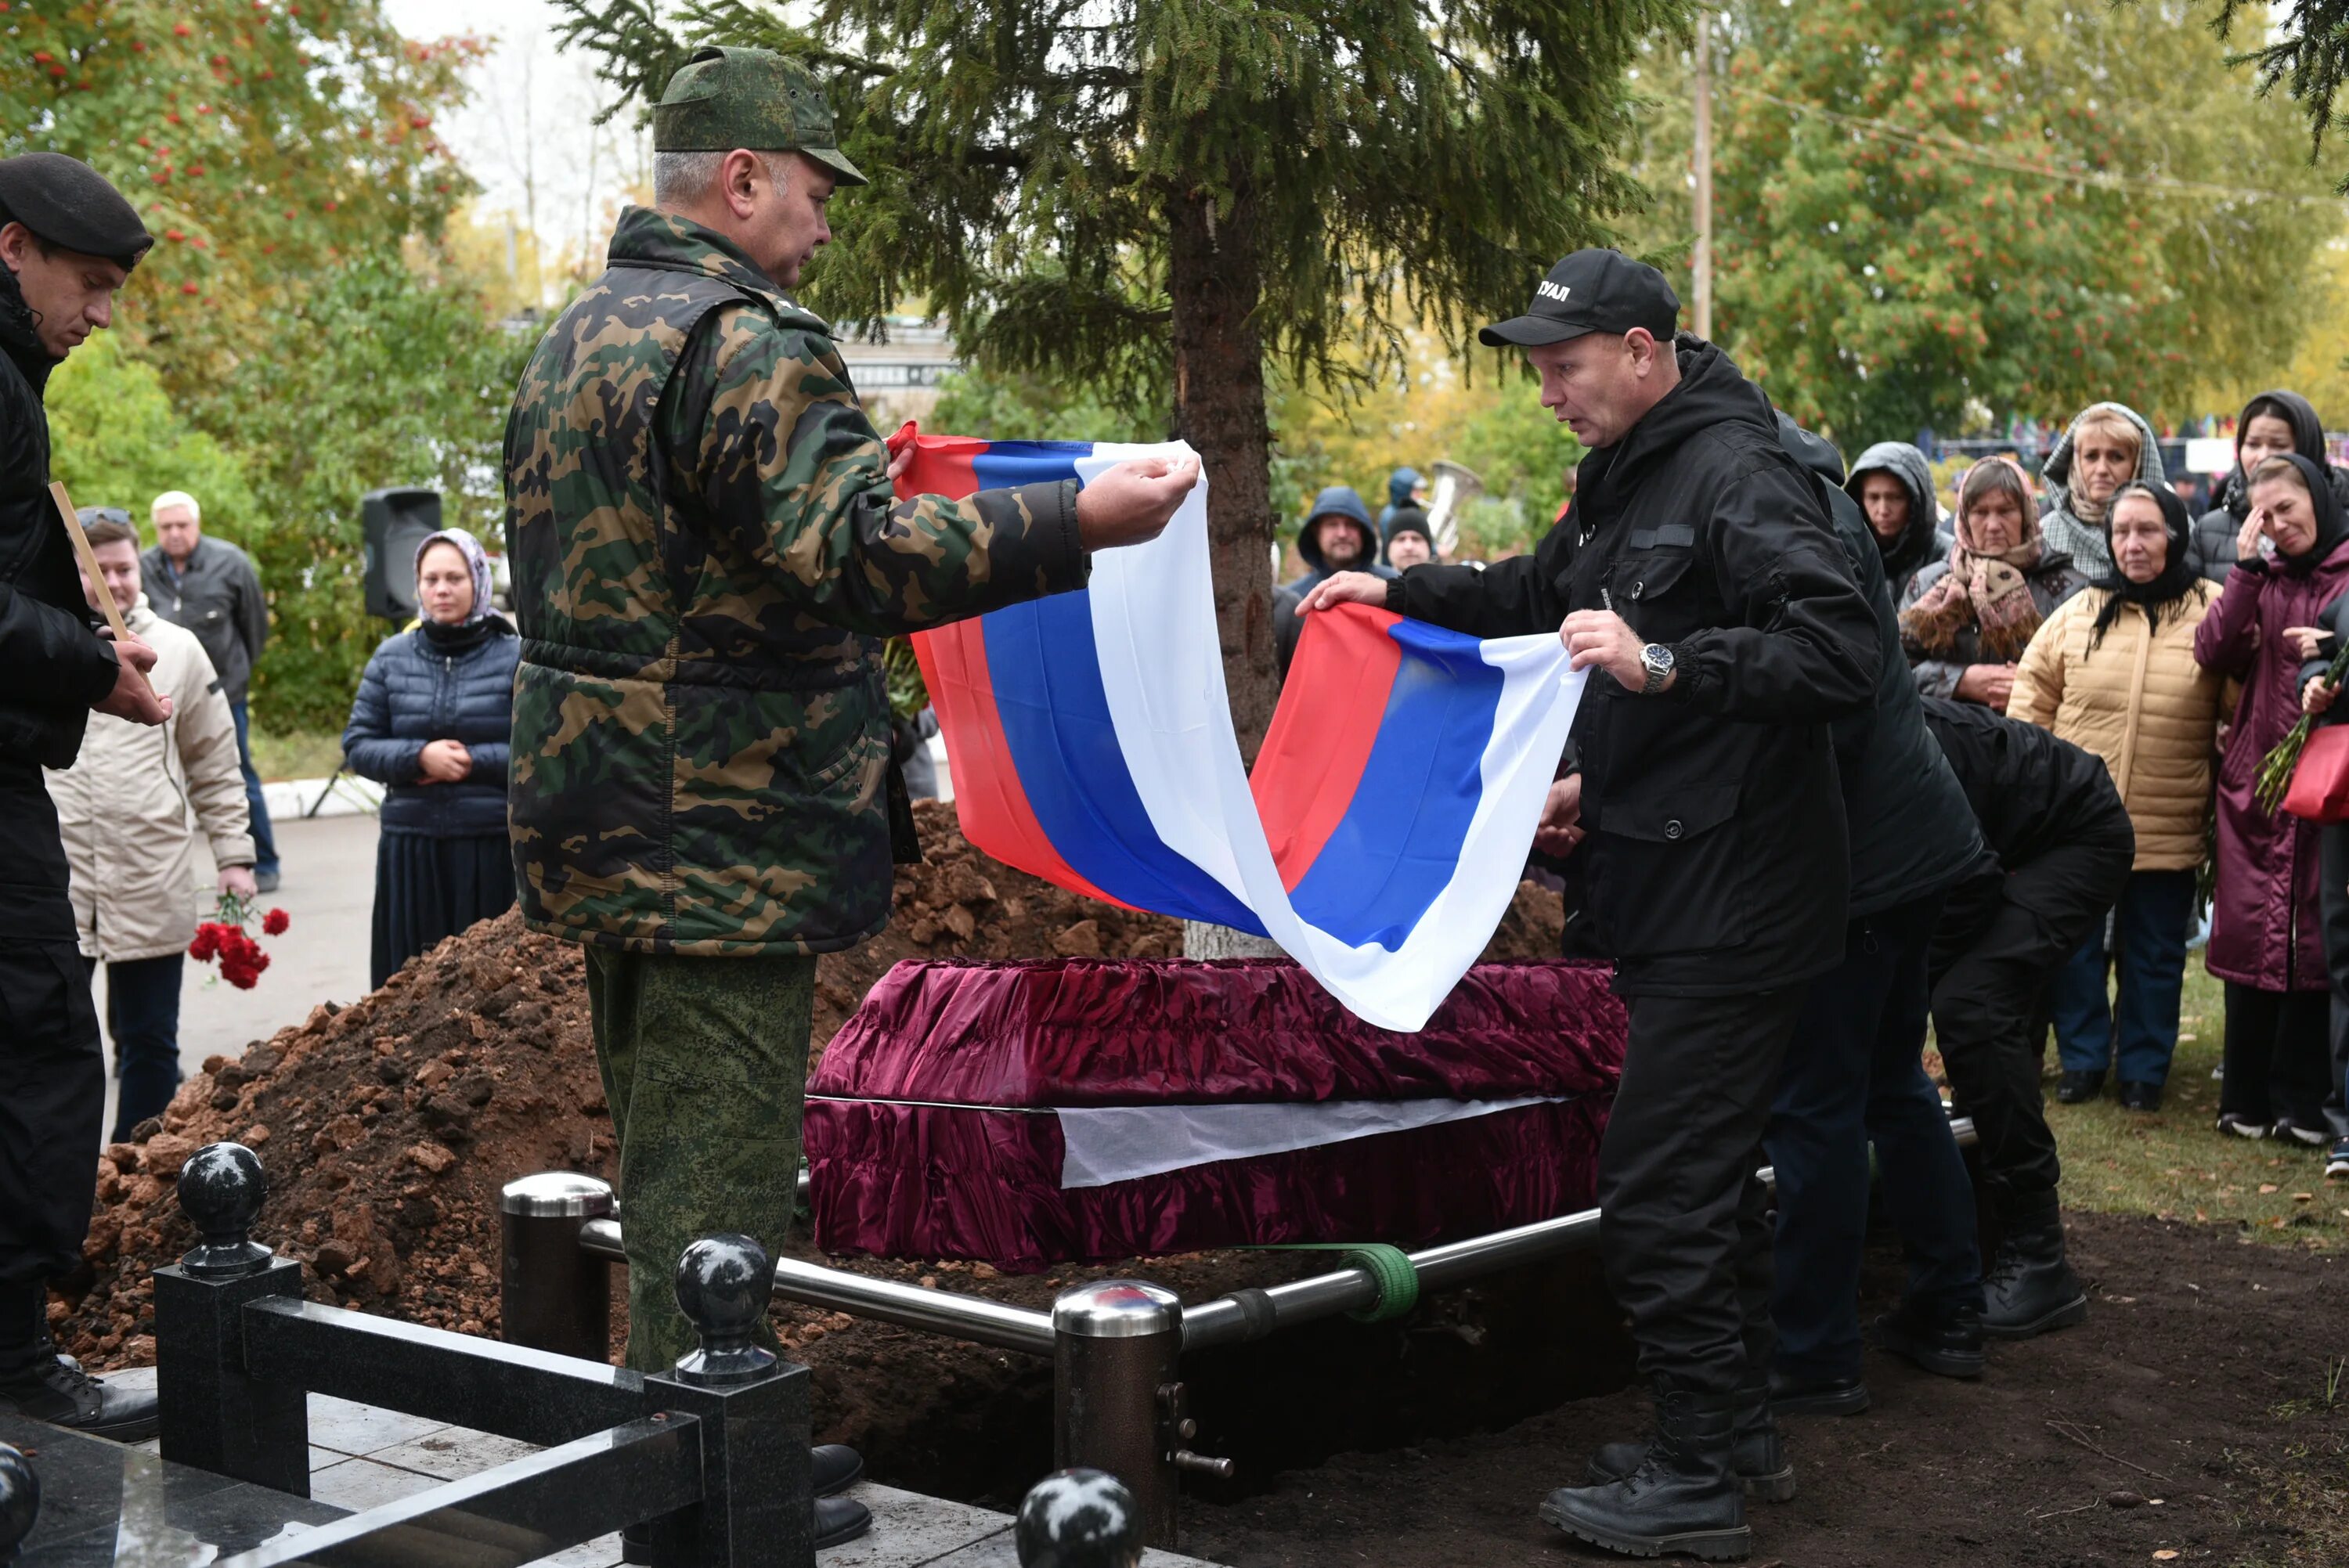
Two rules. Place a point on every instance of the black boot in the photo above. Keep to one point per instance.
(39, 1383)
(1683, 1497)
(1758, 1454)
(2028, 1288)
(1948, 1343)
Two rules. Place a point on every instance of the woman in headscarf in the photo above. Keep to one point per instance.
(2112, 671)
(2266, 934)
(1894, 485)
(2272, 424)
(1967, 619)
(2108, 445)
(433, 718)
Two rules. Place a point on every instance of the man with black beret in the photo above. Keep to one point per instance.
(67, 242)
(1698, 579)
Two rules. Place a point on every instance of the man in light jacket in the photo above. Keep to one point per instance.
(124, 810)
(212, 588)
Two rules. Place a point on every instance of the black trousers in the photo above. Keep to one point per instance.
(1854, 1075)
(2332, 841)
(1683, 1228)
(2276, 1055)
(2000, 941)
(52, 1072)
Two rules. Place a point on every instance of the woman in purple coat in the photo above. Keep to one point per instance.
(2267, 940)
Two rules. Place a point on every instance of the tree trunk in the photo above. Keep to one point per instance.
(1215, 279)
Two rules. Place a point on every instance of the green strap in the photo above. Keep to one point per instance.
(1390, 1266)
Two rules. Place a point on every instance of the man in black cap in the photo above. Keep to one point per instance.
(67, 240)
(1697, 578)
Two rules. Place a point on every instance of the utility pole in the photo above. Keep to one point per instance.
(1703, 267)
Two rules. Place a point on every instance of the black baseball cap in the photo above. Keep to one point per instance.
(1590, 290)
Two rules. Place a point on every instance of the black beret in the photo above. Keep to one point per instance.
(69, 204)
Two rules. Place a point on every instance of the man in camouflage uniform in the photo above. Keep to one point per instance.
(706, 549)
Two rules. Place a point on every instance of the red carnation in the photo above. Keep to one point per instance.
(207, 943)
(274, 923)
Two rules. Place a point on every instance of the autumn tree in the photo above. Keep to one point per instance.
(1930, 212)
(295, 338)
(1190, 195)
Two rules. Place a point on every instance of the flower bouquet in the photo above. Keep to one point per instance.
(224, 937)
(2276, 767)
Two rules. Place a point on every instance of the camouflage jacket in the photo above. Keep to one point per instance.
(705, 551)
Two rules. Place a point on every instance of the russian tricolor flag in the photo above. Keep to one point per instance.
(1393, 802)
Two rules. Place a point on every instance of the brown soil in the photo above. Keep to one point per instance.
(2202, 1377)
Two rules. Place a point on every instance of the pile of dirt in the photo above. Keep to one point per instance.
(388, 1127)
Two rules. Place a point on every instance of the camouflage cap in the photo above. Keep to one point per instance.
(724, 99)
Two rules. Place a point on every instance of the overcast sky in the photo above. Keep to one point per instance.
(529, 129)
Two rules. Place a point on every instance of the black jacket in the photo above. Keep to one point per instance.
(1718, 860)
(415, 692)
(2030, 791)
(218, 597)
(1912, 833)
(53, 665)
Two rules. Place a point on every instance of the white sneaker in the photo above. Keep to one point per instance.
(2241, 1126)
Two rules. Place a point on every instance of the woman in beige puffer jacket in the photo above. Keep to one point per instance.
(2112, 671)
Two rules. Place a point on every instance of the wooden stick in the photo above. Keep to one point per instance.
(88, 559)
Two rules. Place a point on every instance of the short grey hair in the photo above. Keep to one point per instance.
(683, 179)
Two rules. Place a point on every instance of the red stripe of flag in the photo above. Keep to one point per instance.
(1319, 741)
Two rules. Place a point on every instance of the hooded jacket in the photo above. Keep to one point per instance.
(1718, 859)
(1924, 540)
(2086, 542)
(2264, 927)
(2216, 531)
(1912, 834)
(2134, 695)
(1400, 484)
(130, 807)
(57, 665)
(1335, 501)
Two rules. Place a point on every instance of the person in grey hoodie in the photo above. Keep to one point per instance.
(2108, 445)
(1337, 537)
(2272, 424)
(1893, 484)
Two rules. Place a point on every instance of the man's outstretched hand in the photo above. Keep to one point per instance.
(132, 697)
(1347, 588)
(1133, 503)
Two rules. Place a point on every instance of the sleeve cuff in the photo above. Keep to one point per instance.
(105, 669)
(1058, 550)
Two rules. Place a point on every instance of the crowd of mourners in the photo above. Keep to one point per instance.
(2178, 649)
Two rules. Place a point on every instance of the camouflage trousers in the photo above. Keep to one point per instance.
(705, 1064)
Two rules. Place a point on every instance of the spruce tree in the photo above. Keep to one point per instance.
(1136, 195)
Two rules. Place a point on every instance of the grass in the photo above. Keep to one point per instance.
(2173, 1164)
(301, 753)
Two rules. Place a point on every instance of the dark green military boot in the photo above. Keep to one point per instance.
(1758, 1456)
(1684, 1497)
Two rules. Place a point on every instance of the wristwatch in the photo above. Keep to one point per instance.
(1657, 660)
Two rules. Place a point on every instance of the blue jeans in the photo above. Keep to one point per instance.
(1855, 1074)
(265, 843)
(142, 1017)
(2149, 931)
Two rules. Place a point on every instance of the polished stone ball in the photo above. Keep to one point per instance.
(20, 1500)
(723, 1286)
(1078, 1519)
(220, 1190)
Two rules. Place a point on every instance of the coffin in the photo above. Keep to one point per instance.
(1030, 1114)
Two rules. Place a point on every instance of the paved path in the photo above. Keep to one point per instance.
(329, 890)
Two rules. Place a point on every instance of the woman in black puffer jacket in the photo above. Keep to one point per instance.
(434, 715)
(2272, 424)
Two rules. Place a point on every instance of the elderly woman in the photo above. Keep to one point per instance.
(2266, 937)
(1967, 619)
(2112, 671)
(434, 713)
(2108, 445)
